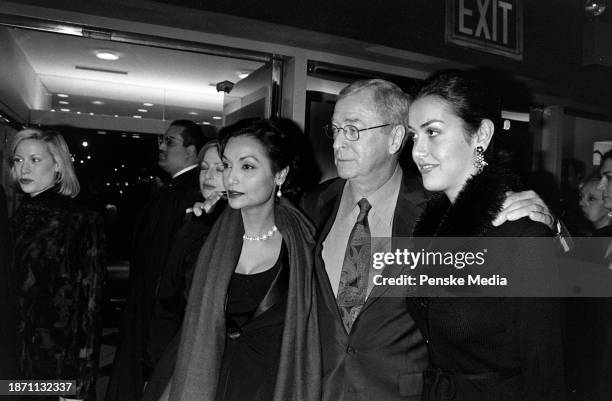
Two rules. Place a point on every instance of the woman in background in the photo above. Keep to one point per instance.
(605, 185)
(481, 349)
(592, 204)
(251, 329)
(57, 265)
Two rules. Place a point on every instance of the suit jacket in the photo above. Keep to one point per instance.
(384, 355)
(154, 232)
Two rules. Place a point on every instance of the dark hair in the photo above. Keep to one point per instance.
(470, 96)
(191, 133)
(284, 143)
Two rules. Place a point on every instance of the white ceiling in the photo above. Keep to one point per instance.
(178, 83)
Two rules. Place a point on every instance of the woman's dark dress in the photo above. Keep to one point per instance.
(58, 271)
(491, 349)
(254, 333)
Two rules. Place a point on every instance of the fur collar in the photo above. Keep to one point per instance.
(475, 208)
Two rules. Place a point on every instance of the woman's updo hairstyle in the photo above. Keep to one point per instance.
(472, 98)
(284, 143)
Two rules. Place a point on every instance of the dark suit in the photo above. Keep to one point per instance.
(155, 230)
(384, 355)
(7, 297)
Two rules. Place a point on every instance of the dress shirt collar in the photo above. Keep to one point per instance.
(186, 169)
(379, 200)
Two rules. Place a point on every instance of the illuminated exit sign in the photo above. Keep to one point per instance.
(492, 26)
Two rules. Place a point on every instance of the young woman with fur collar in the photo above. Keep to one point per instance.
(490, 348)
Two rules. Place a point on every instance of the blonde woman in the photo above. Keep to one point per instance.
(57, 265)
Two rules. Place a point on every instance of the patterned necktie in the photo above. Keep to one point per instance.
(355, 269)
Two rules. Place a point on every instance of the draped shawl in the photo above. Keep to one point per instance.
(204, 331)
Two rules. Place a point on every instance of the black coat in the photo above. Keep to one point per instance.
(58, 271)
(384, 355)
(7, 298)
(154, 234)
(491, 349)
(175, 282)
(589, 326)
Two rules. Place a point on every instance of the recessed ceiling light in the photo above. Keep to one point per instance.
(143, 110)
(63, 102)
(116, 115)
(107, 55)
(53, 110)
(137, 116)
(91, 114)
(193, 113)
(65, 109)
(148, 104)
(205, 122)
(78, 112)
(98, 102)
(216, 118)
(85, 144)
(62, 95)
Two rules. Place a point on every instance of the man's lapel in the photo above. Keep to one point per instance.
(328, 204)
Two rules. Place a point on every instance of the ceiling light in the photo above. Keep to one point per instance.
(85, 144)
(53, 110)
(91, 114)
(148, 104)
(137, 116)
(62, 95)
(243, 75)
(98, 102)
(193, 113)
(216, 118)
(205, 122)
(65, 109)
(116, 115)
(78, 112)
(63, 102)
(143, 110)
(107, 55)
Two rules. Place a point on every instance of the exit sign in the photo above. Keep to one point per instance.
(492, 26)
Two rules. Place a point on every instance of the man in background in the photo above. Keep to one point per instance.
(154, 230)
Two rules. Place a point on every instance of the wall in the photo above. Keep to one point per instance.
(23, 91)
(585, 132)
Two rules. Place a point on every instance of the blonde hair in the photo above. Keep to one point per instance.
(213, 143)
(57, 147)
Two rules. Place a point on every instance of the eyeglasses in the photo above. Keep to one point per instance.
(168, 140)
(350, 131)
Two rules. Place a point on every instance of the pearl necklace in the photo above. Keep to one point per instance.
(261, 237)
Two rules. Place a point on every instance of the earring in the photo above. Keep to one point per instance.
(479, 161)
(610, 213)
(279, 193)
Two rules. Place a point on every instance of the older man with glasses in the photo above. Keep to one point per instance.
(156, 226)
(371, 347)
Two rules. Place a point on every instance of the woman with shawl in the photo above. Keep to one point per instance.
(250, 330)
